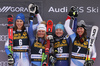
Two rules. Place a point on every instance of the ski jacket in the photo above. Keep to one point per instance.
(62, 46)
(37, 46)
(21, 37)
(79, 50)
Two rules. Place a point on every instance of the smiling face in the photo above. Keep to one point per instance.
(80, 31)
(59, 32)
(41, 33)
(19, 24)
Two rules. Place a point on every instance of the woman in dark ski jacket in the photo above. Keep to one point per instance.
(80, 42)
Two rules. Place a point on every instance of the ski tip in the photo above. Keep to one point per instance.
(9, 16)
(95, 27)
(50, 22)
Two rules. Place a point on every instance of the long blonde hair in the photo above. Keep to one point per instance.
(43, 22)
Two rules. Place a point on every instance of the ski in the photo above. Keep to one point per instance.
(49, 32)
(93, 36)
(10, 32)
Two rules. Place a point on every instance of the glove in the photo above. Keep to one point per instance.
(10, 59)
(30, 18)
(89, 62)
(37, 9)
(73, 12)
(49, 37)
(52, 59)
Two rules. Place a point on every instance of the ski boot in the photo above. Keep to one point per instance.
(10, 59)
(89, 63)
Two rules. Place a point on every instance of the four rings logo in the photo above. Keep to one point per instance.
(3, 63)
(3, 37)
(13, 9)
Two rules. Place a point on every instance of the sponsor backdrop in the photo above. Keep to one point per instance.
(57, 10)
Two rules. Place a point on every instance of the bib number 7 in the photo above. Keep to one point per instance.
(78, 49)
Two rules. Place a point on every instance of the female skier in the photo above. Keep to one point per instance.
(37, 43)
(80, 41)
(20, 55)
(61, 44)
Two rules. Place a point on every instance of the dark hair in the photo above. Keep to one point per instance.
(15, 27)
(83, 36)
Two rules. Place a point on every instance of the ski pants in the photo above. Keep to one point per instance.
(35, 63)
(62, 63)
(77, 62)
(21, 58)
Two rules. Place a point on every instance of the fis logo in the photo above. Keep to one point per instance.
(13, 9)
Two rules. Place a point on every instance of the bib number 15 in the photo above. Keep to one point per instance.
(60, 50)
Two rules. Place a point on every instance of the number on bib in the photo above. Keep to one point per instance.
(78, 49)
(40, 51)
(60, 50)
(20, 42)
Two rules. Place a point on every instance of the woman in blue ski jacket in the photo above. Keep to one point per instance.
(20, 43)
(37, 41)
(20, 55)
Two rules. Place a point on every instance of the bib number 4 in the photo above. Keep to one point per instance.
(40, 51)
